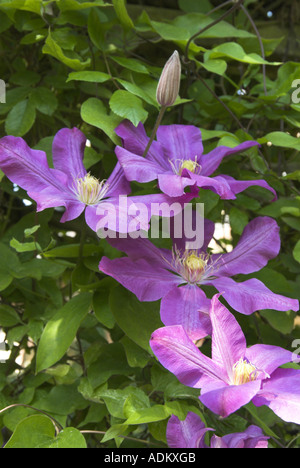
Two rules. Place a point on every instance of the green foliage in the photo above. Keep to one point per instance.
(77, 343)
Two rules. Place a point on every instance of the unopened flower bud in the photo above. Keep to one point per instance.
(169, 82)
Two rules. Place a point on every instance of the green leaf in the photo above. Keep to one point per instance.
(234, 51)
(131, 64)
(5, 279)
(36, 431)
(71, 251)
(281, 139)
(121, 12)
(8, 316)
(60, 331)
(128, 106)
(53, 48)
(137, 319)
(68, 438)
(66, 5)
(21, 118)
(90, 76)
(24, 246)
(94, 113)
(44, 100)
(28, 232)
(254, 412)
(296, 252)
(148, 415)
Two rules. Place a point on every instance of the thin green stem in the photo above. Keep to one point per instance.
(157, 124)
(122, 436)
(57, 425)
(260, 44)
(210, 25)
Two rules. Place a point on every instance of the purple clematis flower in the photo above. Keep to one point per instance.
(175, 276)
(190, 433)
(176, 160)
(70, 186)
(235, 374)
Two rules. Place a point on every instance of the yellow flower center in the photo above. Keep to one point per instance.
(90, 190)
(191, 265)
(195, 263)
(189, 164)
(243, 372)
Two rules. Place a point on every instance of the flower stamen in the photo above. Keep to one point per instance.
(90, 190)
(191, 165)
(244, 371)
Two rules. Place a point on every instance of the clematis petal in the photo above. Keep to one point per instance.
(259, 242)
(117, 183)
(147, 282)
(136, 167)
(268, 357)
(225, 399)
(253, 437)
(187, 306)
(228, 340)
(218, 185)
(180, 141)
(238, 186)
(68, 152)
(188, 433)
(174, 185)
(252, 295)
(211, 161)
(177, 353)
(135, 140)
(142, 248)
(51, 197)
(28, 168)
(191, 223)
(281, 393)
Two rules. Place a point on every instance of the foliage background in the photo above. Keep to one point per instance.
(77, 342)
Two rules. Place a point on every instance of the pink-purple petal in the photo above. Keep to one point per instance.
(136, 167)
(259, 242)
(180, 142)
(211, 161)
(135, 140)
(238, 186)
(188, 433)
(216, 184)
(117, 183)
(228, 340)
(174, 185)
(177, 353)
(251, 295)
(146, 281)
(187, 306)
(29, 168)
(68, 152)
(225, 399)
(281, 393)
(268, 357)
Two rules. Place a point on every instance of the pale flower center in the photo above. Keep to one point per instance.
(191, 265)
(90, 190)
(195, 263)
(243, 372)
(191, 165)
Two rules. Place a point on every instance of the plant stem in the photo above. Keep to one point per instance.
(157, 124)
(260, 43)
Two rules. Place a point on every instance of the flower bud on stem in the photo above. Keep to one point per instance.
(167, 91)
